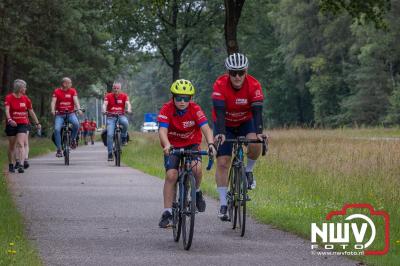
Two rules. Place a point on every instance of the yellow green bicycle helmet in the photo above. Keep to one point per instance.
(182, 87)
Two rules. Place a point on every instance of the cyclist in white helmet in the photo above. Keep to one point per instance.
(237, 111)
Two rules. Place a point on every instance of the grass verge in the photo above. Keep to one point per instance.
(309, 173)
(15, 248)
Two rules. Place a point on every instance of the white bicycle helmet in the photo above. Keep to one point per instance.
(236, 61)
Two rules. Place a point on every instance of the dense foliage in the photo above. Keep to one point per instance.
(321, 63)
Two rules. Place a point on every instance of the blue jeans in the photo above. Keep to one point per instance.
(59, 121)
(123, 121)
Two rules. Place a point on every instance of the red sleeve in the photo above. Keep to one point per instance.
(163, 116)
(74, 93)
(55, 93)
(107, 98)
(199, 115)
(217, 91)
(256, 94)
(28, 103)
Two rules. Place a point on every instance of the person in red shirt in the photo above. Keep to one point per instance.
(65, 99)
(81, 132)
(93, 126)
(86, 130)
(237, 111)
(115, 103)
(181, 124)
(17, 106)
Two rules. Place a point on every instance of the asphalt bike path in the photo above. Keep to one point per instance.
(93, 213)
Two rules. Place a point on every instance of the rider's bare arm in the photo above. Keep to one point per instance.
(128, 105)
(53, 105)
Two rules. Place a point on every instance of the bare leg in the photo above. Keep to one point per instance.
(20, 146)
(169, 187)
(11, 149)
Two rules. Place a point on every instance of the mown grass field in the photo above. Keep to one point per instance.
(307, 174)
(15, 249)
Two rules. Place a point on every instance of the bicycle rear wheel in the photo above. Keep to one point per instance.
(176, 214)
(189, 211)
(66, 142)
(117, 148)
(242, 199)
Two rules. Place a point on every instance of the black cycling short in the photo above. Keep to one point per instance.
(232, 133)
(172, 161)
(13, 131)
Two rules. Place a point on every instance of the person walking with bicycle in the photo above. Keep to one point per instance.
(93, 127)
(182, 123)
(17, 107)
(65, 100)
(86, 129)
(237, 111)
(115, 103)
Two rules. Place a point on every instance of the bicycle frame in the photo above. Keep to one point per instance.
(116, 134)
(184, 207)
(237, 182)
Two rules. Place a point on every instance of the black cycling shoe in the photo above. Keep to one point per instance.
(26, 164)
(20, 167)
(124, 141)
(200, 202)
(166, 220)
(11, 168)
(251, 183)
(73, 145)
(110, 157)
(222, 213)
(59, 154)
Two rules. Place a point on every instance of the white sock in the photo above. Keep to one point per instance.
(250, 165)
(198, 190)
(168, 209)
(222, 195)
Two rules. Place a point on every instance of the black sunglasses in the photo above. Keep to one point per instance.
(182, 98)
(233, 73)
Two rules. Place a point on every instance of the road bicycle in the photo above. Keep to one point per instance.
(117, 139)
(237, 183)
(184, 204)
(66, 134)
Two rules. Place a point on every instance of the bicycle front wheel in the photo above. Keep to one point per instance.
(189, 211)
(66, 141)
(176, 214)
(117, 148)
(231, 196)
(242, 199)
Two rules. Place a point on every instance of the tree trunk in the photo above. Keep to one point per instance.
(176, 65)
(5, 85)
(233, 9)
(5, 80)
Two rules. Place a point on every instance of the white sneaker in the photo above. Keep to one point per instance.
(253, 186)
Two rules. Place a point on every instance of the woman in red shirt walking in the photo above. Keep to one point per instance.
(17, 106)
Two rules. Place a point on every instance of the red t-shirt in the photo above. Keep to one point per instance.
(237, 102)
(18, 108)
(86, 126)
(65, 101)
(116, 103)
(183, 130)
(93, 126)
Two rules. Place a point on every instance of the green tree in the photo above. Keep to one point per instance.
(168, 26)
